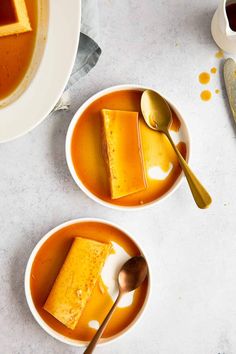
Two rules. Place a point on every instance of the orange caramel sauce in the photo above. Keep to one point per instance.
(7, 13)
(47, 264)
(16, 53)
(206, 95)
(88, 160)
(213, 70)
(204, 78)
(219, 54)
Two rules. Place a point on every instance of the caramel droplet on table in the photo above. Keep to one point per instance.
(219, 54)
(213, 70)
(205, 95)
(204, 78)
(217, 91)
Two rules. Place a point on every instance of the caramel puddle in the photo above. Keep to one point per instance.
(205, 95)
(213, 70)
(204, 78)
(219, 54)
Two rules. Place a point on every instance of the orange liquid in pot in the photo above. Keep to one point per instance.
(16, 53)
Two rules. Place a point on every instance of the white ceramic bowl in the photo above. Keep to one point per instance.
(48, 72)
(30, 302)
(70, 131)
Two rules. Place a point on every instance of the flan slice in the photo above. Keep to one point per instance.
(76, 280)
(123, 153)
(14, 18)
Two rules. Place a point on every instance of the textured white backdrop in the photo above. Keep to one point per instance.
(164, 44)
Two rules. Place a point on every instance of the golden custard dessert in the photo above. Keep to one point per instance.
(48, 263)
(123, 152)
(13, 17)
(76, 280)
(18, 28)
(160, 164)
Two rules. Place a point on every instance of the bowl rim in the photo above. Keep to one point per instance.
(53, 333)
(70, 164)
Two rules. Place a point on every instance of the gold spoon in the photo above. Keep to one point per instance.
(130, 277)
(157, 114)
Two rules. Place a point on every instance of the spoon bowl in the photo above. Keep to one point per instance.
(156, 111)
(131, 275)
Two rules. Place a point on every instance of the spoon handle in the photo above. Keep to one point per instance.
(92, 344)
(200, 195)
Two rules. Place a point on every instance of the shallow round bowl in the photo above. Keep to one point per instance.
(52, 332)
(184, 137)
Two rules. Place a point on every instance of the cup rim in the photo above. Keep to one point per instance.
(53, 333)
(70, 164)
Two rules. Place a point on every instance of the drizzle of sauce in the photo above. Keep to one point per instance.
(219, 54)
(213, 70)
(205, 95)
(231, 14)
(47, 264)
(204, 78)
(89, 162)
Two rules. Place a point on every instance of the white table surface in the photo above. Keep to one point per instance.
(192, 253)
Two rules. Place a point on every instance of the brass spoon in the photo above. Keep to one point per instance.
(130, 277)
(157, 114)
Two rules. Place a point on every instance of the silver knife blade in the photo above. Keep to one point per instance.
(230, 83)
